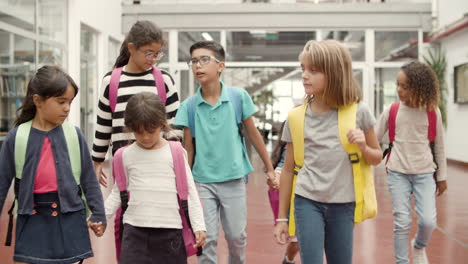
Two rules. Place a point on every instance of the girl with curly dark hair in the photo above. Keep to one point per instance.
(412, 165)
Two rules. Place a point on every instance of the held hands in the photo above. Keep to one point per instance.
(356, 136)
(441, 186)
(272, 179)
(200, 238)
(97, 227)
(102, 178)
(281, 233)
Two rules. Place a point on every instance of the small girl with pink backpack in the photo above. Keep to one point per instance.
(162, 214)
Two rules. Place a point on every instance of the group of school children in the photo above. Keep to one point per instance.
(57, 180)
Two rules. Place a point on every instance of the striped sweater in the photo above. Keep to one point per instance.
(110, 128)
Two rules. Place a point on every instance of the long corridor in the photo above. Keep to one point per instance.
(373, 238)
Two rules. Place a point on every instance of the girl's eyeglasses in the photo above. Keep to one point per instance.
(203, 60)
(153, 55)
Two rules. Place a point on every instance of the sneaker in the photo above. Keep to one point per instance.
(286, 261)
(419, 254)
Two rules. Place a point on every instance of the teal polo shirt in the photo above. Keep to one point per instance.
(220, 154)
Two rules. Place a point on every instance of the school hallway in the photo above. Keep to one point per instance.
(373, 238)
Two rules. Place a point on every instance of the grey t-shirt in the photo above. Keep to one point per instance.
(327, 174)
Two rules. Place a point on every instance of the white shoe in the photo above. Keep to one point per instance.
(419, 254)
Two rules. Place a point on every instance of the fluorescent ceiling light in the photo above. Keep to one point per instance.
(207, 36)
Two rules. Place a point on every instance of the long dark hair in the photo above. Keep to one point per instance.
(145, 111)
(48, 81)
(278, 149)
(142, 33)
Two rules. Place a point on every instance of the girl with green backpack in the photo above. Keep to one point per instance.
(49, 162)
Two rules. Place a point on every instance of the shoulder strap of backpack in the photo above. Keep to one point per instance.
(113, 86)
(191, 113)
(296, 118)
(179, 169)
(392, 121)
(160, 85)
(21, 142)
(71, 138)
(432, 130)
(118, 171)
(73, 146)
(234, 96)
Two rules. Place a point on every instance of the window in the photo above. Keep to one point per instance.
(396, 46)
(186, 39)
(353, 40)
(263, 45)
(461, 83)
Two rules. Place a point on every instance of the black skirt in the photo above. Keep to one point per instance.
(144, 245)
(49, 236)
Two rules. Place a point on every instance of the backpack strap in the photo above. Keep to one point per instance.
(118, 171)
(21, 142)
(71, 138)
(74, 152)
(234, 97)
(191, 114)
(160, 85)
(392, 121)
(114, 85)
(182, 193)
(432, 133)
(432, 130)
(179, 169)
(391, 129)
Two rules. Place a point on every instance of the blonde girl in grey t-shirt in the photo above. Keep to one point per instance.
(324, 195)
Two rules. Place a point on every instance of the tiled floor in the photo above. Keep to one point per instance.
(373, 238)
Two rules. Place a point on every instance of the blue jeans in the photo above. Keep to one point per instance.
(423, 188)
(326, 226)
(225, 201)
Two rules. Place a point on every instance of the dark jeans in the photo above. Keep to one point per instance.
(152, 245)
(326, 226)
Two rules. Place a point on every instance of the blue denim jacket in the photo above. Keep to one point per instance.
(68, 190)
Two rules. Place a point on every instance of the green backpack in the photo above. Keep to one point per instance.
(21, 142)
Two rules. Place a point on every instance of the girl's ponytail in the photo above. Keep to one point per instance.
(124, 55)
(27, 110)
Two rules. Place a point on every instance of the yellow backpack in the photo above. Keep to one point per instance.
(366, 201)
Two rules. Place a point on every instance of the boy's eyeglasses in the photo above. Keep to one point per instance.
(153, 55)
(203, 60)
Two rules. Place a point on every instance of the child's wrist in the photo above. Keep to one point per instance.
(284, 220)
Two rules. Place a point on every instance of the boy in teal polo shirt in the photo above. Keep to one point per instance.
(221, 161)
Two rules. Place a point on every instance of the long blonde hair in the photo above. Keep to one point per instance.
(334, 60)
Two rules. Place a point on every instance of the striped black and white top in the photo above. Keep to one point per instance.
(110, 128)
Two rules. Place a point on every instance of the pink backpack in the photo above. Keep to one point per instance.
(114, 84)
(120, 178)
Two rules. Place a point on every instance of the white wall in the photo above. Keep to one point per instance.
(456, 49)
(451, 10)
(105, 18)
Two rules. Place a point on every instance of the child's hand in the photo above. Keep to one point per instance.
(356, 136)
(98, 228)
(102, 178)
(200, 238)
(441, 186)
(281, 233)
(272, 180)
